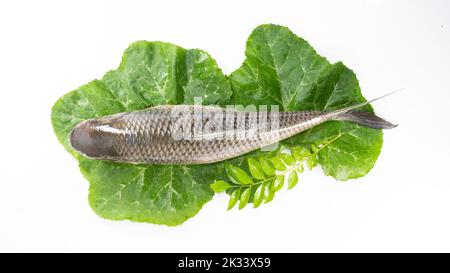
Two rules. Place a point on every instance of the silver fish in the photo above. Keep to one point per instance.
(193, 134)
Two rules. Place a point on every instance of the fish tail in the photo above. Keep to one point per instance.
(362, 118)
(365, 119)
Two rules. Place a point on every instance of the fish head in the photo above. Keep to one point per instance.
(95, 138)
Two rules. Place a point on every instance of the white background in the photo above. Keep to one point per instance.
(48, 48)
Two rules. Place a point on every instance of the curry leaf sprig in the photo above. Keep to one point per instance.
(267, 175)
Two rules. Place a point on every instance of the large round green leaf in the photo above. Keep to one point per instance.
(150, 73)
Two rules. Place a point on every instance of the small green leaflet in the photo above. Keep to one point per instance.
(234, 197)
(255, 168)
(280, 68)
(220, 186)
(293, 179)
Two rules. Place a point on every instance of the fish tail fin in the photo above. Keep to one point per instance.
(363, 118)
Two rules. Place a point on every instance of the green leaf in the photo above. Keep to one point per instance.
(269, 193)
(234, 197)
(278, 163)
(278, 183)
(283, 69)
(220, 186)
(287, 159)
(258, 196)
(150, 73)
(314, 148)
(280, 68)
(255, 168)
(319, 143)
(267, 166)
(300, 153)
(238, 175)
(292, 179)
(245, 196)
(311, 161)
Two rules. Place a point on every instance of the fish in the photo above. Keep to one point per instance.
(197, 134)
